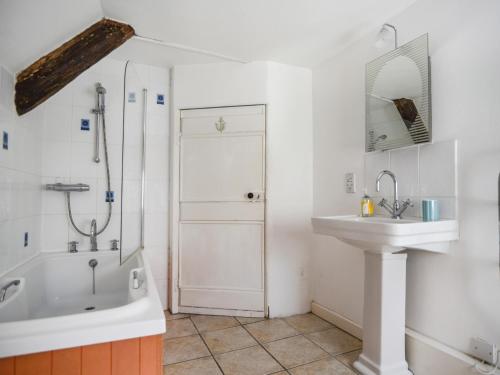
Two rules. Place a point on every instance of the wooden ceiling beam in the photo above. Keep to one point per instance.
(51, 73)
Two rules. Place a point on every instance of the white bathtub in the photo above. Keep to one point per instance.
(53, 307)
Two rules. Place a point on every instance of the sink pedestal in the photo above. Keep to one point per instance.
(384, 315)
(382, 240)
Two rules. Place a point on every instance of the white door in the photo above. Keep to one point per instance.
(221, 220)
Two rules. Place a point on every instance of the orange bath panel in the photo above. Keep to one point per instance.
(137, 356)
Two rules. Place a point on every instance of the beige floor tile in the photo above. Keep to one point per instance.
(295, 351)
(201, 366)
(349, 358)
(179, 328)
(184, 349)
(206, 323)
(250, 361)
(271, 330)
(228, 339)
(335, 341)
(308, 323)
(323, 367)
(169, 316)
(244, 320)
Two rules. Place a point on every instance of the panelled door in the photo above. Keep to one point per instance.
(222, 195)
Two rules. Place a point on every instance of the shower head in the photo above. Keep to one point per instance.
(100, 88)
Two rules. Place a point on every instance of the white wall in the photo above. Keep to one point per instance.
(287, 92)
(454, 297)
(20, 167)
(289, 188)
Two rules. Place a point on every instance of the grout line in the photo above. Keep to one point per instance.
(208, 348)
(187, 360)
(267, 351)
(262, 345)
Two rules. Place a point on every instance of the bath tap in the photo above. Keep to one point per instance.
(93, 235)
(6, 287)
(397, 208)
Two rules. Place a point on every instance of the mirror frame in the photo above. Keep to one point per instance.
(418, 51)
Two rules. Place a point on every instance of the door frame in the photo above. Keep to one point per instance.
(174, 215)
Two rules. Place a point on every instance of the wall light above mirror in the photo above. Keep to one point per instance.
(398, 97)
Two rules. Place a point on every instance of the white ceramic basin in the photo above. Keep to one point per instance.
(383, 234)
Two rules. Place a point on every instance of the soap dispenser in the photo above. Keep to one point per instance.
(367, 206)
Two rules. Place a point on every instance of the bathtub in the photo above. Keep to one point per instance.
(53, 306)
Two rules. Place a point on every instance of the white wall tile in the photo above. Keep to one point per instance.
(102, 187)
(7, 156)
(82, 161)
(155, 230)
(131, 196)
(438, 165)
(54, 235)
(83, 223)
(157, 257)
(114, 126)
(404, 164)
(77, 134)
(375, 162)
(115, 162)
(57, 123)
(112, 232)
(7, 194)
(53, 202)
(84, 202)
(68, 153)
(132, 159)
(20, 169)
(447, 206)
(156, 196)
(56, 159)
(157, 161)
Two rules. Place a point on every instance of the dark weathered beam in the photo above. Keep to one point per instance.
(51, 73)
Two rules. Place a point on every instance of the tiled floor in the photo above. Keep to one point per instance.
(216, 345)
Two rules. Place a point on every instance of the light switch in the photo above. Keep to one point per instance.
(350, 183)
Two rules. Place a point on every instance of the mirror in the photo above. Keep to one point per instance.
(133, 160)
(398, 97)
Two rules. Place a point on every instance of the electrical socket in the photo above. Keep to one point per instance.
(482, 349)
(350, 183)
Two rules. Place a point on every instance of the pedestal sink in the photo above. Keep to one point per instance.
(382, 240)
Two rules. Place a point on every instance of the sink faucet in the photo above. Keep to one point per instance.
(6, 287)
(93, 235)
(397, 208)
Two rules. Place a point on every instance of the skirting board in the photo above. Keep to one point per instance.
(425, 356)
(338, 320)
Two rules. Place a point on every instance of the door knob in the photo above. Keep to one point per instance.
(250, 195)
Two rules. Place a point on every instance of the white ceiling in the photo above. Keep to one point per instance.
(298, 32)
(31, 28)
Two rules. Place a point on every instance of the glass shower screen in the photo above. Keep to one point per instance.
(133, 160)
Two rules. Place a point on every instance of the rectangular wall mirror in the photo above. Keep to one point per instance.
(398, 97)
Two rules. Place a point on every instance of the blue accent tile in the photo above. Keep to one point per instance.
(160, 99)
(110, 196)
(25, 239)
(131, 97)
(84, 124)
(5, 140)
